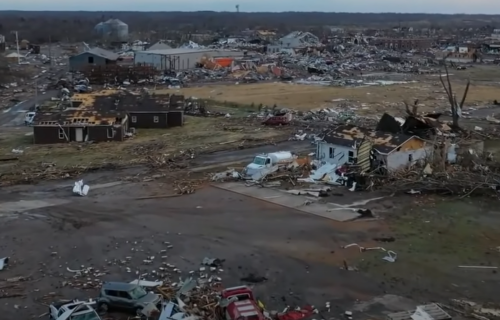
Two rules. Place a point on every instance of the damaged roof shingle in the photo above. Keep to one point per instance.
(351, 136)
(413, 125)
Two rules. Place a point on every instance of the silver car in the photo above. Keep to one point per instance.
(125, 296)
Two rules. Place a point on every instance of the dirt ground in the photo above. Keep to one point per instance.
(110, 225)
(367, 98)
(46, 230)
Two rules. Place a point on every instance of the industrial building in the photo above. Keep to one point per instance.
(92, 57)
(181, 59)
(106, 116)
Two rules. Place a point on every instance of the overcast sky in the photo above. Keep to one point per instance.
(424, 6)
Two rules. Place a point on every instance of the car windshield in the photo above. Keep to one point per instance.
(137, 293)
(259, 160)
(86, 316)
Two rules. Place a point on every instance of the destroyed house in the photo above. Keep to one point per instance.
(79, 124)
(424, 126)
(369, 149)
(294, 40)
(106, 117)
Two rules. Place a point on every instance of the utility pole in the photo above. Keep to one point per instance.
(17, 45)
(50, 52)
(36, 93)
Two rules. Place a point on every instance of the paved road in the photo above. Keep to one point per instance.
(14, 116)
(248, 154)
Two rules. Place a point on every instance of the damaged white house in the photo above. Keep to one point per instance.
(294, 40)
(370, 149)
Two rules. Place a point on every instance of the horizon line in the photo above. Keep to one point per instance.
(253, 12)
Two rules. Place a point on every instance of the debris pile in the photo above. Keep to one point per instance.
(199, 296)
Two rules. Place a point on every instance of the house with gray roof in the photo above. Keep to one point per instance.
(92, 57)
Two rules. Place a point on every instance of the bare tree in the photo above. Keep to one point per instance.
(455, 107)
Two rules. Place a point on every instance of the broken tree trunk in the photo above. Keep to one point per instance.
(455, 107)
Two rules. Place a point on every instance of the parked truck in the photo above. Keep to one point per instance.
(268, 160)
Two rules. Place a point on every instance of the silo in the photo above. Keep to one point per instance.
(118, 31)
(100, 28)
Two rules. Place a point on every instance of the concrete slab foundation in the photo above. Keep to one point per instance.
(292, 201)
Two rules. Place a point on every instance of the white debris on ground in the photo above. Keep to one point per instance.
(80, 188)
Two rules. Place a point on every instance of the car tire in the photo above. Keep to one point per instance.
(103, 307)
(138, 311)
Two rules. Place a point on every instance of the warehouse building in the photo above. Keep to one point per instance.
(181, 59)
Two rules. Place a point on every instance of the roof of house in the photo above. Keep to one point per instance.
(412, 125)
(108, 107)
(176, 51)
(351, 136)
(139, 104)
(80, 113)
(101, 53)
(160, 45)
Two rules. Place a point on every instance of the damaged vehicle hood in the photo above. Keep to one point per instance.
(149, 298)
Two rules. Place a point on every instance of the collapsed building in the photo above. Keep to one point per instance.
(294, 40)
(370, 149)
(395, 144)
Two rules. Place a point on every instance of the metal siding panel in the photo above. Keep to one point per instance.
(149, 59)
(195, 57)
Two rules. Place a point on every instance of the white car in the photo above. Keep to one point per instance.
(28, 117)
(73, 310)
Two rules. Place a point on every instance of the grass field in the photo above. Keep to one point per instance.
(200, 134)
(436, 237)
(307, 97)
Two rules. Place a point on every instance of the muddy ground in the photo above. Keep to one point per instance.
(46, 230)
(109, 225)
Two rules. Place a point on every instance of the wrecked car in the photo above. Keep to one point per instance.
(126, 296)
(240, 303)
(73, 310)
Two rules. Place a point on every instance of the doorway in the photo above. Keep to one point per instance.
(79, 134)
